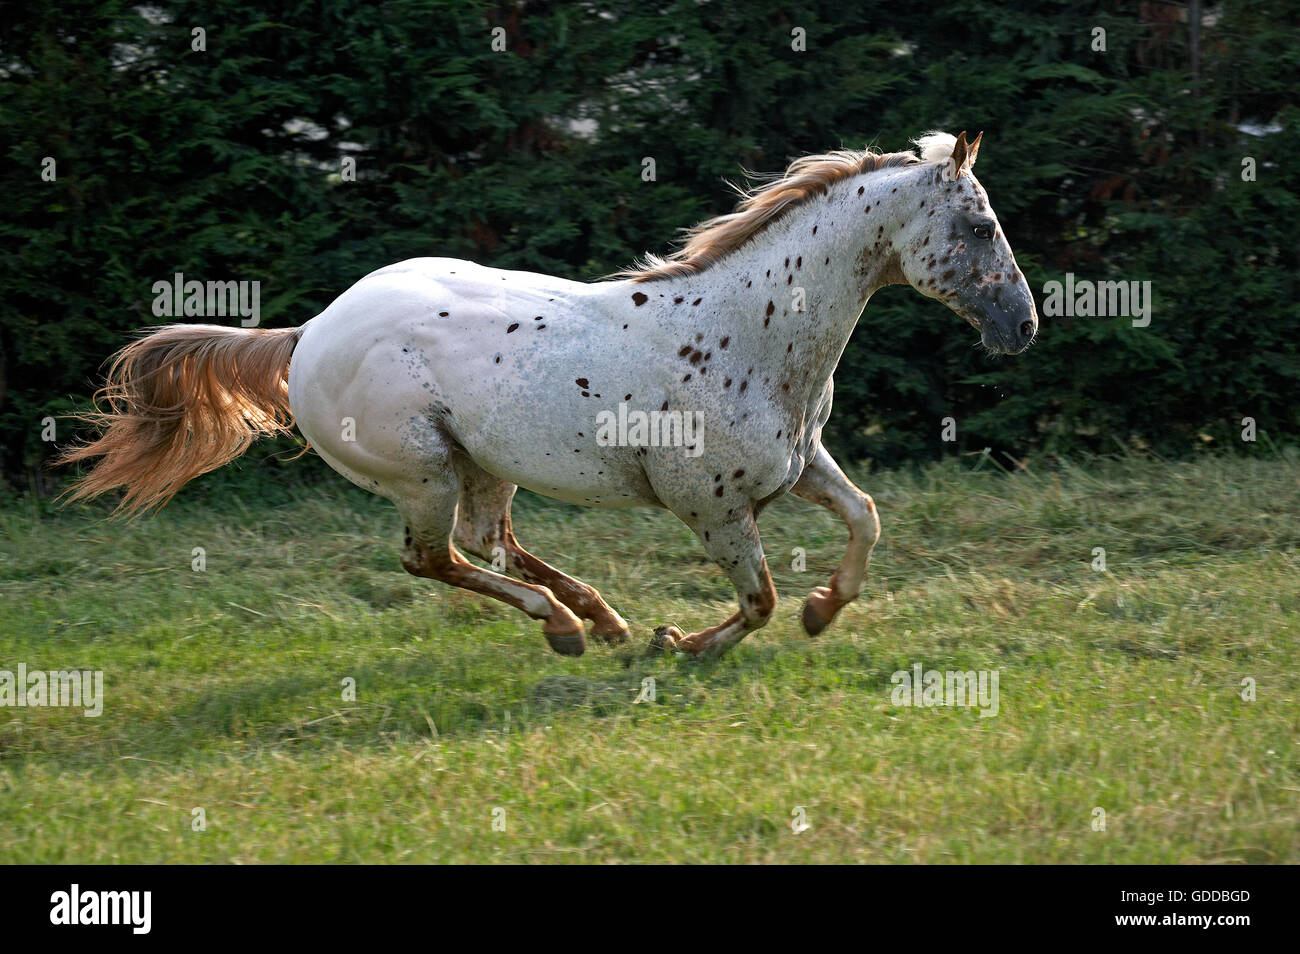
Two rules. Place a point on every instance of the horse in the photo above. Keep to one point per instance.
(443, 385)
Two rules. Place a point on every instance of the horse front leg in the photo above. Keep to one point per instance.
(823, 483)
(735, 546)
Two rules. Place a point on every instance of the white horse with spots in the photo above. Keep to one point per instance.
(443, 385)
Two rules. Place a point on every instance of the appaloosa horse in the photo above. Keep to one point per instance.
(443, 385)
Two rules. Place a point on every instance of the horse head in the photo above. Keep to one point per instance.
(953, 249)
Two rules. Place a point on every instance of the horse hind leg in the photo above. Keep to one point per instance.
(429, 509)
(483, 528)
(582, 599)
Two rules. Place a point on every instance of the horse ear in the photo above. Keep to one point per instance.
(974, 149)
(957, 162)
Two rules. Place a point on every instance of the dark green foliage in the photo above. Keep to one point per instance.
(224, 164)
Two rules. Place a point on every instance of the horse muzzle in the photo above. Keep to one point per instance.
(1003, 329)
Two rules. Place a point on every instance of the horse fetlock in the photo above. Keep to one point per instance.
(821, 608)
(564, 632)
(713, 645)
(613, 635)
(559, 618)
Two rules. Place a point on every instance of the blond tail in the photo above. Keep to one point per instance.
(181, 401)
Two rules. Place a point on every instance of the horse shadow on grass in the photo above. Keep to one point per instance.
(408, 698)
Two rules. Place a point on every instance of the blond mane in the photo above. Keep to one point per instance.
(763, 203)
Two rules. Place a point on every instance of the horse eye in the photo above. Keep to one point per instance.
(983, 231)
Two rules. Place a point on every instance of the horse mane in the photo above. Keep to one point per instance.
(765, 202)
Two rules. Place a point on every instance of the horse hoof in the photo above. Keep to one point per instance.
(613, 637)
(568, 644)
(666, 638)
(819, 609)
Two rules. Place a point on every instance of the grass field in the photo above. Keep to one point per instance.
(1119, 690)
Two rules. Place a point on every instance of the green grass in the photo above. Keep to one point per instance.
(1119, 690)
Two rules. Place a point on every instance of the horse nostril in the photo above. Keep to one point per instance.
(1026, 329)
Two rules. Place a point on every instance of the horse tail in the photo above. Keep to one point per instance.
(183, 400)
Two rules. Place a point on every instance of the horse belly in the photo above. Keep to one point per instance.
(552, 448)
(409, 366)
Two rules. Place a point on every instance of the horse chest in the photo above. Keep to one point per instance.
(782, 435)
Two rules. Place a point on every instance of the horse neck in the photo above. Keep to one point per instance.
(831, 251)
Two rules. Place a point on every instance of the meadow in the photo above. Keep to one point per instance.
(1161, 690)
